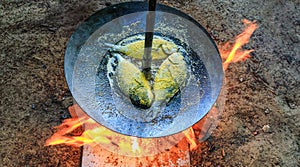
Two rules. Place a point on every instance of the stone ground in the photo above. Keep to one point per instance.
(260, 123)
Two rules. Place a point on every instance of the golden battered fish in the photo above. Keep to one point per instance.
(170, 77)
(130, 80)
(160, 49)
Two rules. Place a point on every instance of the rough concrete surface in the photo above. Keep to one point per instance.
(260, 123)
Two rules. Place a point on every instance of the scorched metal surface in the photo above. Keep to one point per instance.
(86, 77)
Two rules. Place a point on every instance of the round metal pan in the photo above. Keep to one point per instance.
(86, 74)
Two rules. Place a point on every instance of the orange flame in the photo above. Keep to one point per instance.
(191, 138)
(229, 53)
(235, 53)
(93, 134)
(64, 133)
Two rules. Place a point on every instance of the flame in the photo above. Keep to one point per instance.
(98, 135)
(93, 134)
(234, 53)
(64, 133)
(230, 53)
(191, 138)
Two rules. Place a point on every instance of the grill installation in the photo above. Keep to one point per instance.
(138, 110)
